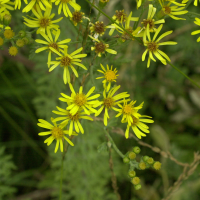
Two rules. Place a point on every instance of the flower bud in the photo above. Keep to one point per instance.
(142, 165)
(136, 150)
(7, 19)
(131, 173)
(22, 33)
(137, 187)
(126, 160)
(157, 165)
(145, 158)
(26, 40)
(135, 180)
(102, 3)
(131, 155)
(20, 43)
(150, 161)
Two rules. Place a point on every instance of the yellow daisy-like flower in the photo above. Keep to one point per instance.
(138, 126)
(80, 100)
(66, 61)
(150, 20)
(172, 11)
(153, 45)
(110, 76)
(7, 4)
(43, 21)
(57, 133)
(197, 22)
(128, 110)
(74, 119)
(77, 17)
(13, 51)
(63, 5)
(101, 47)
(110, 101)
(195, 2)
(119, 16)
(8, 34)
(50, 42)
(18, 4)
(43, 4)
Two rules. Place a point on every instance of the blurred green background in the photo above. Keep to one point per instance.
(30, 170)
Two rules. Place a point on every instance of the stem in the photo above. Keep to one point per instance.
(113, 144)
(184, 74)
(193, 13)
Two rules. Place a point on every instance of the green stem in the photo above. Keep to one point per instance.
(184, 74)
(113, 144)
(113, 21)
(193, 13)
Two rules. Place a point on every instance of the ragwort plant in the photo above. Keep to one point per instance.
(80, 105)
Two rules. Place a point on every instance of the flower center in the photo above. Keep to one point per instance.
(44, 22)
(100, 47)
(54, 45)
(120, 15)
(135, 120)
(152, 46)
(110, 75)
(125, 35)
(99, 27)
(76, 16)
(74, 117)
(65, 61)
(108, 102)
(80, 99)
(57, 132)
(127, 109)
(65, 1)
(167, 10)
(150, 22)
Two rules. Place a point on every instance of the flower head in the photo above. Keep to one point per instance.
(153, 46)
(120, 16)
(101, 47)
(13, 51)
(77, 17)
(43, 21)
(80, 100)
(67, 60)
(63, 5)
(197, 22)
(110, 76)
(50, 42)
(57, 133)
(110, 101)
(8, 34)
(138, 126)
(20, 43)
(73, 119)
(43, 4)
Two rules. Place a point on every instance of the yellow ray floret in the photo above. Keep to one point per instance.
(80, 100)
(109, 101)
(18, 4)
(152, 46)
(195, 2)
(63, 5)
(50, 42)
(42, 21)
(43, 4)
(138, 127)
(110, 76)
(67, 60)
(197, 22)
(57, 133)
(73, 119)
(7, 4)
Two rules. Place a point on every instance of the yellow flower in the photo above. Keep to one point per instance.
(43, 4)
(74, 119)
(139, 3)
(63, 5)
(100, 47)
(80, 100)
(171, 11)
(110, 101)
(110, 75)
(120, 16)
(128, 110)
(77, 17)
(197, 22)
(153, 45)
(13, 51)
(138, 126)
(195, 2)
(8, 34)
(57, 133)
(20, 43)
(43, 21)
(150, 20)
(50, 42)
(6, 4)
(18, 3)
(66, 61)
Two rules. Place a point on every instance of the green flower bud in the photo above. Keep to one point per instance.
(126, 160)
(131, 173)
(22, 33)
(137, 187)
(150, 161)
(136, 150)
(157, 165)
(102, 3)
(142, 165)
(7, 19)
(20, 43)
(132, 155)
(135, 180)
(145, 158)
(26, 40)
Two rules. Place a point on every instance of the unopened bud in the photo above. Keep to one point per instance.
(22, 33)
(142, 165)
(137, 187)
(7, 19)
(150, 161)
(157, 165)
(135, 180)
(131, 173)
(145, 158)
(132, 155)
(126, 160)
(136, 150)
